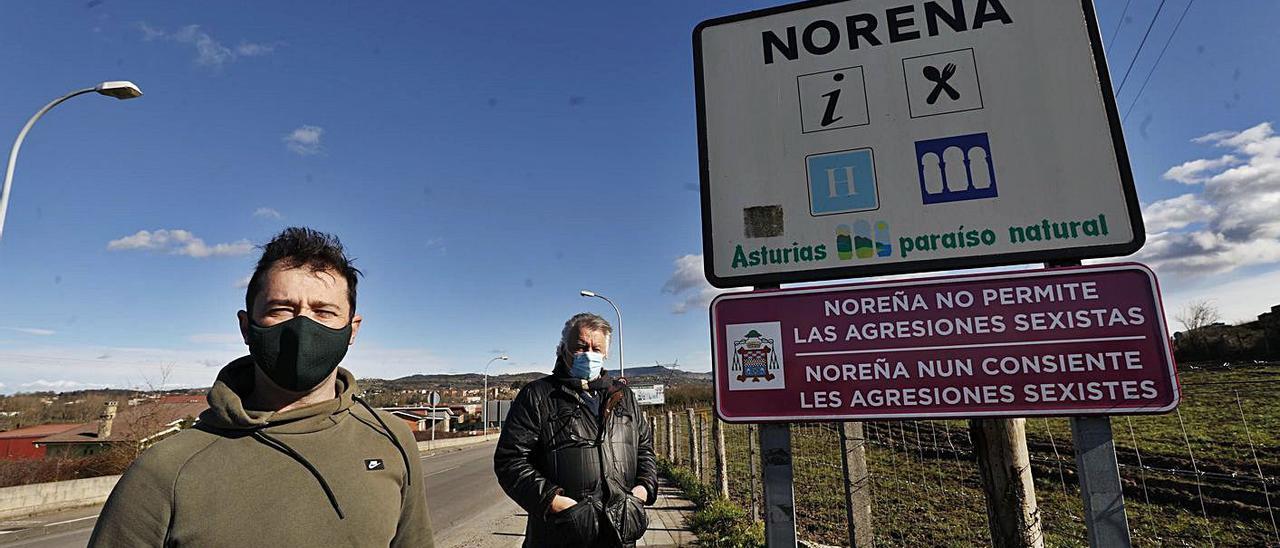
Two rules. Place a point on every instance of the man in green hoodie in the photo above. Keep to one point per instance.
(286, 454)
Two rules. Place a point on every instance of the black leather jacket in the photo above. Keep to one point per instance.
(552, 443)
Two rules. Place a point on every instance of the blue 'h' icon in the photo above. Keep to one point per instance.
(841, 182)
(955, 169)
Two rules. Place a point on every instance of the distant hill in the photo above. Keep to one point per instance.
(645, 374)
(664, 372)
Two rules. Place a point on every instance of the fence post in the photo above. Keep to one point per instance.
(779, 494)
(653, 434)
(694, 457)
(704, 433)
(671, 437)
(1000, 446)
(857, 484)
(722, 466)
(1104, 515)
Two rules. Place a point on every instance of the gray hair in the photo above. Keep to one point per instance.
(578, 322)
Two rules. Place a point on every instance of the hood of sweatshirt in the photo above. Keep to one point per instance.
(235, 382)
(227, 413)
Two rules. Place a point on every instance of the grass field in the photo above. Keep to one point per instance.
(927, 492)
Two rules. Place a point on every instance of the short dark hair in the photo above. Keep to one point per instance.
(297, 247)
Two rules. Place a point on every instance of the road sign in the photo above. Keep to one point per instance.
(1075, 341)
(854, 138)
(650, 395)
(433, 399)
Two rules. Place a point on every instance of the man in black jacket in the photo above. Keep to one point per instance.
(575, 452)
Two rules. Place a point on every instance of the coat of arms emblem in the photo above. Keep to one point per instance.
(754, 358)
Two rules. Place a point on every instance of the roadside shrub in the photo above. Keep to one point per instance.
(717, 522)
(29, 471)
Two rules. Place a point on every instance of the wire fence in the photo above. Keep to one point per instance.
(1207, 474)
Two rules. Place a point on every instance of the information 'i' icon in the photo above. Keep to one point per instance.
(833, 98)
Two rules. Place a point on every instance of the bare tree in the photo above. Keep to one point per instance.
(1197, 314)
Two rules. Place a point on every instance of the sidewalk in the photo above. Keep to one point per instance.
(666, 518)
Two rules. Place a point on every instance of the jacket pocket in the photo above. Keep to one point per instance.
(577, 525)
(635, 521)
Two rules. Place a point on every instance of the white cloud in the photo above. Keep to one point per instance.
(1238, 299)
(305, 140)
(149, 32)
(267, 213)
(33, 331)
(1232, 223)
(1175, 213)
(248, 49)
(42, 385)
(209, 51)
(1192, 172)
(178, 242)
(689, 283)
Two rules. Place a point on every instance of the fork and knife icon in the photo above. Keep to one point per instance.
(939, 80)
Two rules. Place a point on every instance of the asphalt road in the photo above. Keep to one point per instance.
(467, 507)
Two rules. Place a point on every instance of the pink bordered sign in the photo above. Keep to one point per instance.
(1068, 341)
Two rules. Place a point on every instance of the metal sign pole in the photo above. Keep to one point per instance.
(779, 495)
(1100, 488)
(777, 477)
(1104, 514)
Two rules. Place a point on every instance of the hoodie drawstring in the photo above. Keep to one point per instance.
(282, 447)
(390, 434)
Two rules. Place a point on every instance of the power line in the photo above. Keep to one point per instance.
(1140, 45)
(1119, 23)
(1134, 104)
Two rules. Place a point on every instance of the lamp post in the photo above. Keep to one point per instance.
(119, 90)
(484, 411)
(622, 369)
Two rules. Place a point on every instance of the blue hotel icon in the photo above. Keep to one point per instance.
(956, 169)
(842, 182)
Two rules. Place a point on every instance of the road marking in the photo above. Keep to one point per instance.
(95, 516)
(441, 471)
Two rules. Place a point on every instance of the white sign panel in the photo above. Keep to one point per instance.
(650, 395)
(854, 138)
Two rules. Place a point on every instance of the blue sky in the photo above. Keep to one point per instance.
(483, 162)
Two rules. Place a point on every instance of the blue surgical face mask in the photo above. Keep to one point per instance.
(587, 365)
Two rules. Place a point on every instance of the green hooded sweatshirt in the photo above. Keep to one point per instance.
(335, 473)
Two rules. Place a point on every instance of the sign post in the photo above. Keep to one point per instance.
(1100, 487)
(777, 476)
(843, 139)
(434, 400)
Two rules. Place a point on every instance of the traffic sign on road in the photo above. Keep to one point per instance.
(1077, 341)
(854, 138)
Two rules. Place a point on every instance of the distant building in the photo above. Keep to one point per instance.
(138, 426)
(422, 419)
(19, 443)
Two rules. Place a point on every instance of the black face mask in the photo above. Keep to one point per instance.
(299, 353)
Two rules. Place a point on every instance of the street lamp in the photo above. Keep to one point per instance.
(484, 411)
(622, 370)
(118, 89)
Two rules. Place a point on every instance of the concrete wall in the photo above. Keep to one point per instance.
(25, 500)
(424, 446)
